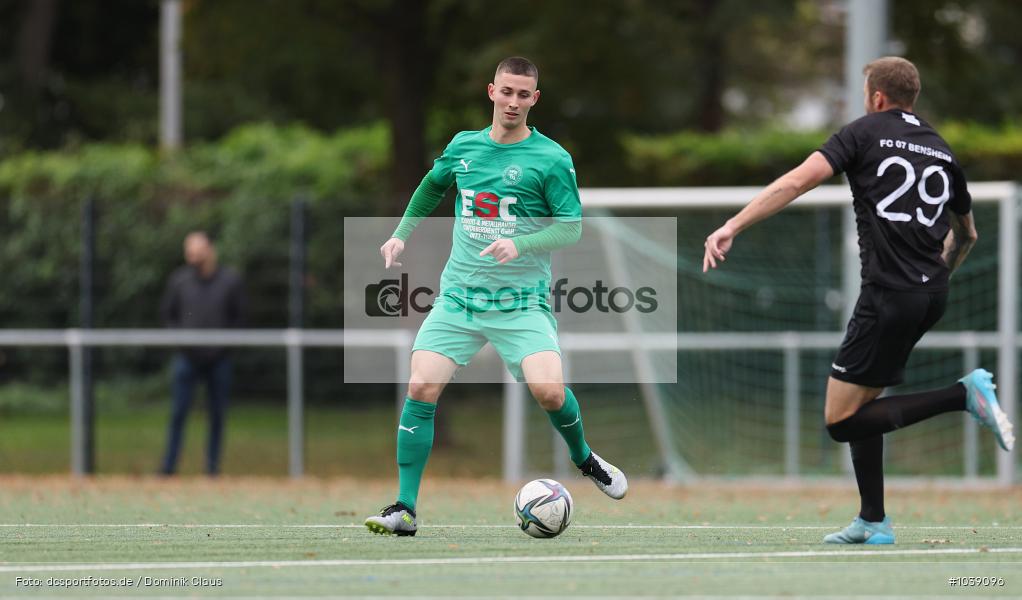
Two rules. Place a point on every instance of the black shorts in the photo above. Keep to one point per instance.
(885, 326)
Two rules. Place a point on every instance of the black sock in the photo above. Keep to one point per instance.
(884, 415)
(868, 460)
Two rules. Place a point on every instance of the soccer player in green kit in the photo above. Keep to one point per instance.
(517, 201)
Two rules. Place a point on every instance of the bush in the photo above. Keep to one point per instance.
(754, 158)
(240, 188)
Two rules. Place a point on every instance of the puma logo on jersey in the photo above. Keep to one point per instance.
(910, 119)
(464, 163)
(410, 430)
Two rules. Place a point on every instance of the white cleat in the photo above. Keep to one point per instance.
(606, 476)
(396, 519)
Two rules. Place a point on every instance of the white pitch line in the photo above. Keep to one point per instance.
(479, 526)
(482, 560)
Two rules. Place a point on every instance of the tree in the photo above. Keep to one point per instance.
(968, 55)
(406, 41)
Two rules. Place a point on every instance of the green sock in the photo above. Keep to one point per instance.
(568, 422)
(414, 441)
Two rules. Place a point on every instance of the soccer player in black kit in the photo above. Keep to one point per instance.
(915, 226)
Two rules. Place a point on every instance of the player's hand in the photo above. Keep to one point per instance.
(503, 250)
(717, 245)
(390, 251)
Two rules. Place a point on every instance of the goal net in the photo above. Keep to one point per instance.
(758, 335)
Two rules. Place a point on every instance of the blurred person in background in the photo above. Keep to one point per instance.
(200, 295)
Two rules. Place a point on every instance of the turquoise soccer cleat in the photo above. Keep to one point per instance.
(863, 532)
(981, 401)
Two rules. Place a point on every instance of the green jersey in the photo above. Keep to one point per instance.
(504, 191)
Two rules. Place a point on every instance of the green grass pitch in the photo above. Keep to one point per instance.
(273, 537)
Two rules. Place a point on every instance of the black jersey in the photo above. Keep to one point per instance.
(902, 175)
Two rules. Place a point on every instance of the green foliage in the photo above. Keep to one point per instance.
(757, 157)
(268, 160)
(987, 153)
(28, 399)
(729, 158)
(967, 54)
(119, 395)
(239, 188)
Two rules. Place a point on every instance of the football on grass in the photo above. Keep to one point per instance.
(543, 508)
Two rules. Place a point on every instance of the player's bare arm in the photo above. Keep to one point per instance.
(390, 250)
(811, 173)
(960, 239)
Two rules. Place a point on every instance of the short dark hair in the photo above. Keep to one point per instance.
(896, 77)
(516, 65)
(204, 233)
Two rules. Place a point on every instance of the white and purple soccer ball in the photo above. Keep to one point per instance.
(543, 508)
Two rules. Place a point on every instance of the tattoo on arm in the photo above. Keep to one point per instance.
(958, 243)
(774, 191)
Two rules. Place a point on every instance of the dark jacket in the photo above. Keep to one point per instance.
(192, 302)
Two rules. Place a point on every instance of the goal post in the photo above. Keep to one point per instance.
(756, 338)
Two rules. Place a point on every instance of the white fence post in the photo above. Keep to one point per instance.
(514, 429)
(1007, 325)
(792, 401)
(295, 404)
(78, 421)
(970, 429)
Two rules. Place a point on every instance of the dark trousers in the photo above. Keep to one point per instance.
(217, 377)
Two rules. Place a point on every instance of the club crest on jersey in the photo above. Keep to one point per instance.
(512, 175)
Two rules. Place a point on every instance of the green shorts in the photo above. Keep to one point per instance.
(458, 333)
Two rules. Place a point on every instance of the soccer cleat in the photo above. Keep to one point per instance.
(606, 476)
(396, 519)
(981, 401)
(863, 532)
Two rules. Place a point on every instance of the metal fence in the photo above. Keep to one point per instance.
(1005, 340)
